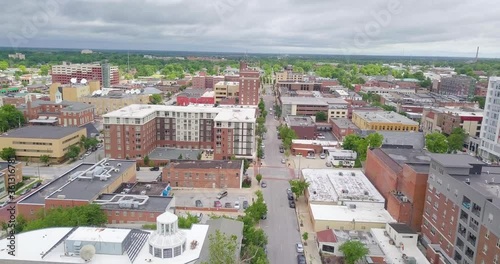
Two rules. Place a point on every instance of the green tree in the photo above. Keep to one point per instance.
(261, 105)
(298, 187)
(89, 143)
(146, 160)
(222, 249)
(73, 152)
(260, 152)
(22, 68)
(353, 251)
(4, 65)
(44, 70)
(456, 140)
(187, 221)
(258, 177)
(374, 140)
(305, 236)
(156, 99)
(480, 100)
(436, 143)
(321, 117)
(8, 153)
(87, 215)
(45, 159)
(258, 208)
(287, 136)
(351, 142)
(10, 118)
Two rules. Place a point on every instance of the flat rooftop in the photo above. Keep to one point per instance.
(419, 159)
(385, 117)
(139, 188)
(293, 120)
(342, 213)
(112, 235)
(46, 241)
(487, 183)
(205, 164)
(456, 160)
(161, 153)
(68, 106)
(341, 236)
(394, 254)
(315, 142)
(151, 204)
(335, 185)
(235, 113)
(303, 101)
(41, 132)
(79, 189)
(343, 123)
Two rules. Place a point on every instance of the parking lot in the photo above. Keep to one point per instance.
(188, 197)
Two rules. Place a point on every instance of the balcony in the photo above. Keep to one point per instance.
(469, 253)
(461, 230)
(460, 245)
(476, 210)
(472, 239)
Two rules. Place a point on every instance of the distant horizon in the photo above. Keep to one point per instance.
(234, 53)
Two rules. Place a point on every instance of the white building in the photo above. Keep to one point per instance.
(490, 130)
(168, 244)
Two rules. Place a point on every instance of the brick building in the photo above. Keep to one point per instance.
(107, 75)
(387, 120)
(462, 211)
(333, 107)
(342, 127)
(17, 99)
(204, 81)
(195, 96)
(66, 190)
(136, 130)
(458, 85)
(304, 126)
(445, 119)
(204, 173)
(400, 175)
(4, 176)
(65, 113)
(249, 83)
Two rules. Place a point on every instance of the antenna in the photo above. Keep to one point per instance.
(477, 54)
(83, 81)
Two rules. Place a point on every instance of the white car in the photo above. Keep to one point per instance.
(299, 248)
(322, 156)
(237, 205)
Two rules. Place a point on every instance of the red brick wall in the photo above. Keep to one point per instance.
(121, 216)
(195, 177)
(382, 177)
(490, 241)
(304, 132)
(29, 211)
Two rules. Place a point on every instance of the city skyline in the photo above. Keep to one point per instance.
(395, 27)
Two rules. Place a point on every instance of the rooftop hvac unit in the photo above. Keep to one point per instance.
(61, 196)
(106, 164)
(117, 170)
(143, 192)
(148, 186)
(125, 204)
(135, 204)
(341, 174)
(119, 164)
(126, 190)
(404, 199)
(353, 174)
(103, 178)
(366, 193)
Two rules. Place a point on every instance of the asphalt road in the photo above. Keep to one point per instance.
(281, 225)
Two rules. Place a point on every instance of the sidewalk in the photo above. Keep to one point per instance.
(311, 250)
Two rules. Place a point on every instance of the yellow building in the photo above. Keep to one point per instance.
(226, 90)
(35, 141)
(113, 101)
(289, 76)
(383, 121)
(71, 92)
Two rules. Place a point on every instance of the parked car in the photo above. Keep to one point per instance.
(289, 191)
(221, 195)
(228, 205)
(282, 150)
(322, 156)
(4, 204)
(301, 259)
(299, 248)
(237, 205)
(36, 185)
(263, 217)
(290, 196)
(291, 203)
(263, 184)
(283, 161)
(155, 169)
(310, 157)
(198, 203)
(217, 204)
(245, 205)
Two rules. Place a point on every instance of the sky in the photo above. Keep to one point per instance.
(342, 27)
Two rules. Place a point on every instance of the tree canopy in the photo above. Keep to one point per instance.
(436, 143)
(456, 140)
(353, 251)
(287, 135)
(321, 116)
(10, 117)
(156, 99)
(222, 249)
(361, 145)
(8, 153)
(299, 187)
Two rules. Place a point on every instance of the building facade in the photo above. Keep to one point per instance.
(342, 127)
(490, 130)
(59, 114)
(113, 101)
(71, 92)
(225, 90)
(105, 74)
(249, 83)
(461, 211)
(31, 142)
(204, 173)
(134, 131)
(459, 85)
(389, 121)
(444, 120)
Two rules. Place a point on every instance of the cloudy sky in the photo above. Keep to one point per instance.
(379, 27)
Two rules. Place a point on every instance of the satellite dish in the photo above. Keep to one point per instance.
(73, 80)
(83, 81)
(98, 92)
(87, 252)
(127, 92)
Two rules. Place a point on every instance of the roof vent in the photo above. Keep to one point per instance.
(61, 196)
(119, 164)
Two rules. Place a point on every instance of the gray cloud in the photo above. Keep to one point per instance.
(419, 27)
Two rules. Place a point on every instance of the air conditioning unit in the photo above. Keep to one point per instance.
(103, 178)
(119, 164)
(126, 190)
(148, 186)
(391, 242)
(117, 170)
(61, 196)
(143, 192)
(404, 199)
(352, 206)
(106, 164)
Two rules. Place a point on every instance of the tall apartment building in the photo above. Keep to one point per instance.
(459, 85)
(490, 129)
(106, 74)
(249, 85)
(136, 130)
(462, 211)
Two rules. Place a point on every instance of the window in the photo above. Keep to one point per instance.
(117, 213)
(485, 249)
(487, 235)
(498, 243)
